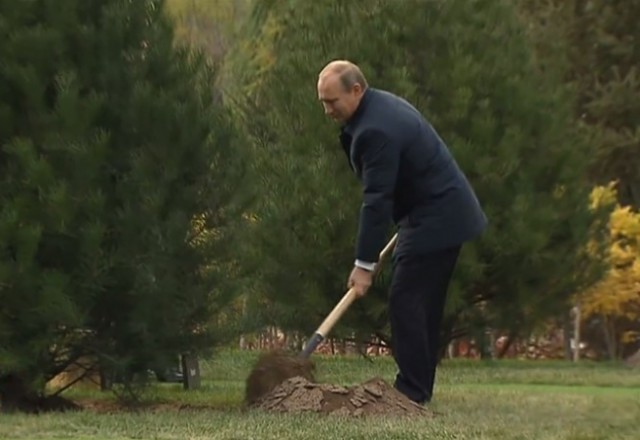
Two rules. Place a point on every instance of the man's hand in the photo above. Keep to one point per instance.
(360, 279)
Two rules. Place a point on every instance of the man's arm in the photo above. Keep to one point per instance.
(380, 162)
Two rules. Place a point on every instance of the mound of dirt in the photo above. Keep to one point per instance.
(373, 397)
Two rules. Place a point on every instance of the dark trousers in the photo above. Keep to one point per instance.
(416, 304)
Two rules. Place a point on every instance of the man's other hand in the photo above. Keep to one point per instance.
(360, 279)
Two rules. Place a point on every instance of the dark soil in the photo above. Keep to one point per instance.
(273, 368)
(36, 405)
(373, 397)
(15, 396)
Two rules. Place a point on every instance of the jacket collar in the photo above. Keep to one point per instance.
(357, 115)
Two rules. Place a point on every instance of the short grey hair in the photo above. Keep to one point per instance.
(348, 72)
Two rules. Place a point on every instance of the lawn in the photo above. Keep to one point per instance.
(493, 400)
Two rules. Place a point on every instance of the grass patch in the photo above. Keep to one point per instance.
(475, 400)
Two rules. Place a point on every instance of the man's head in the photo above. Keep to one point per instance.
(341, 85)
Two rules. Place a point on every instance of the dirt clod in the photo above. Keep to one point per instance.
(373, 397)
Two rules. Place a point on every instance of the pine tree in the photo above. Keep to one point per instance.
(605, 57)
(469, 66)
(600, 44)
(118, 172)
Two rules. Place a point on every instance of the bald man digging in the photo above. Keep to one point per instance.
(409, 178)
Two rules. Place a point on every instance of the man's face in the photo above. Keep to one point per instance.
(339, 104)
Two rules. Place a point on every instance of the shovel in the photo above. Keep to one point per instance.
(342, 306)
(275, 367)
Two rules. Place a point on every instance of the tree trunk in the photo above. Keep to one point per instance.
(566, 328)
(608, 326)
(576, 334)
(483, 339)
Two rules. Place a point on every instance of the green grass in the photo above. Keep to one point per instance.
(492, 400)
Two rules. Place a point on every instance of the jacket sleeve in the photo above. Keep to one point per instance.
(379, 159)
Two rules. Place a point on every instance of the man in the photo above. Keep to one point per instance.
(408, 177)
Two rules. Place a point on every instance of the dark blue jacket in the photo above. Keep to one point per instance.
(408, 177)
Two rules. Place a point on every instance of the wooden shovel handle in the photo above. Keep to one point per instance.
(350, 296)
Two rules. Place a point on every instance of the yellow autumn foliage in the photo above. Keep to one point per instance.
(617, 295)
